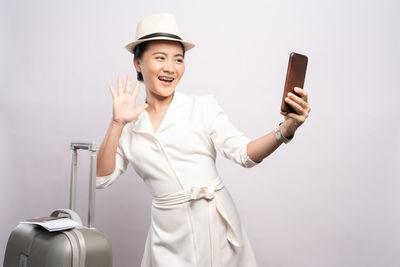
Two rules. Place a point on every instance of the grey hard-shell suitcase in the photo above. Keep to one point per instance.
(33, 246)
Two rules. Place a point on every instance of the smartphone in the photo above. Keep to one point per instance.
(296, 73)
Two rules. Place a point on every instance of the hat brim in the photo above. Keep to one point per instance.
(131, 46)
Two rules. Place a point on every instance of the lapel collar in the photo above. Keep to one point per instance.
(143, 124)
(174, 113)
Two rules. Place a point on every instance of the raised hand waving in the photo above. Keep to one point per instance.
(124, 102)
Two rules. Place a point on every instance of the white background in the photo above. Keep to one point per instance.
(330, 198)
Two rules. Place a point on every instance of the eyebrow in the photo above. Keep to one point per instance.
(165, 54)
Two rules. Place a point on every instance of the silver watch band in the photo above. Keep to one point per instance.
(279, 135)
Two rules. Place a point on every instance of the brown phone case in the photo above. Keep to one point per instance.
(295, 76)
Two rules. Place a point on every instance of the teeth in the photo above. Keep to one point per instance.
(166, 79)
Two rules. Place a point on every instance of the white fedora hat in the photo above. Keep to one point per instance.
(158, 27)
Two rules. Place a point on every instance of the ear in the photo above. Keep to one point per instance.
(137, 64)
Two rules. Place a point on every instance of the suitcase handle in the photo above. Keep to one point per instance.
(71, 214)
(93, 148)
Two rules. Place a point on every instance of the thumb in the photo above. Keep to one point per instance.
(142, 107)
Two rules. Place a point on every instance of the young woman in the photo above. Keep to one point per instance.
(171, 142)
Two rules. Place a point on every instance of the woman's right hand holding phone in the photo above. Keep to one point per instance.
(124, 102)
(301, 107)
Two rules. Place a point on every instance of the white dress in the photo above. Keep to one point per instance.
(194, 220)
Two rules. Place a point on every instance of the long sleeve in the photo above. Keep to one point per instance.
(121, 163)
(227, 140)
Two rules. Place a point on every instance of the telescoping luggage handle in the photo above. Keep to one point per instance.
(92, 182)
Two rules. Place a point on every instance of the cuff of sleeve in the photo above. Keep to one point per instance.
(104, 181)
(250, 163)
(247, 161)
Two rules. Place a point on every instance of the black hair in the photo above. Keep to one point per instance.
(139, 51)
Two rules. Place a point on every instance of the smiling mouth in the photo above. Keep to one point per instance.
(166, 79)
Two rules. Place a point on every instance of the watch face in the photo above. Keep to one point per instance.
(280, 137)
(277, 134)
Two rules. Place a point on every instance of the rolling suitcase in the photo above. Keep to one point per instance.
(33, 246)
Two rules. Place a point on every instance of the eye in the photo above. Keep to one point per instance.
(179, 60)
(160, 58)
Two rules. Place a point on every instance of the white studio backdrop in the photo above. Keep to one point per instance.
(329, 198)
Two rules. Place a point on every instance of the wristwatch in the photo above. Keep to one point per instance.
(279, 135)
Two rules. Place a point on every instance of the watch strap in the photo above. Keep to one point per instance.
(279, 136)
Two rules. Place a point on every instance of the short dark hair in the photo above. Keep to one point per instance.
(139, 50)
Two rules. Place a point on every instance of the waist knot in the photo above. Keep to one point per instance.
(202, 192)
(189, 194)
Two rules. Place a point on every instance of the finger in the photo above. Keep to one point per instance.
(128, 84)
(298, 100)
(303, 94)
(119, 83)
(112, 91)
(136, 90)
(296, 106)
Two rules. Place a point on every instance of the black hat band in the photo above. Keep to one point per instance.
(160, 34)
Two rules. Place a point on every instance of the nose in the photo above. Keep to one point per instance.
(168, 67)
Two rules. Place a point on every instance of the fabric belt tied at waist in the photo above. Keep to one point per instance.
(208, 193)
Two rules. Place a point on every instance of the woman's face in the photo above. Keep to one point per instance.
(162, 66)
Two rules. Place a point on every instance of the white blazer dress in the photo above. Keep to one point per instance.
(194, 222)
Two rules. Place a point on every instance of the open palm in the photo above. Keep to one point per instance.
(124, 102)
